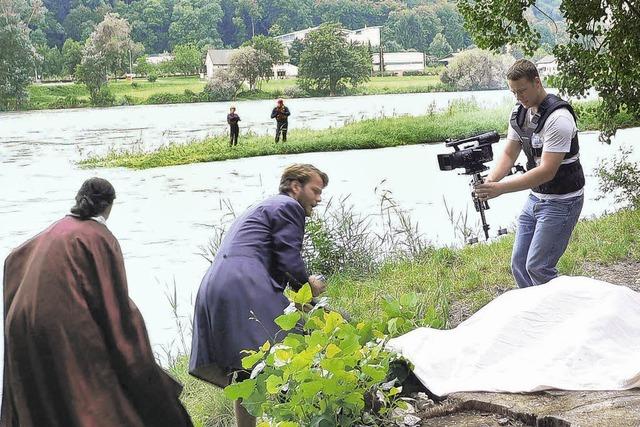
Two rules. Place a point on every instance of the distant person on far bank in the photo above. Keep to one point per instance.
(544, 127)
(281, 113)
(234, 128)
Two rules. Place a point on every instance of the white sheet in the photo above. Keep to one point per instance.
(573, 333)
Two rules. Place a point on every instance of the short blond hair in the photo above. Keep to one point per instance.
(522, 68)
(301, 173)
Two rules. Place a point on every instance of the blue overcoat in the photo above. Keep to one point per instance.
(242, 292)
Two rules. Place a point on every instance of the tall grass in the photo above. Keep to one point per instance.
(450, 283)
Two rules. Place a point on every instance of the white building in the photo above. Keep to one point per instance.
(159, 58)
(217, 58)
(547, 66)
(283, 71)
(366, 35)
(399, 62)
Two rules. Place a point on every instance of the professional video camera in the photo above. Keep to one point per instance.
(473, 158)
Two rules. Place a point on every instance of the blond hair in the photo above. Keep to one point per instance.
(301, 173)
(522, 68)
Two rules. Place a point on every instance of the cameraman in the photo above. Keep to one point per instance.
(544, 127)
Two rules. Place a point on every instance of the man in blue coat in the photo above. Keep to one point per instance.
(242, 292)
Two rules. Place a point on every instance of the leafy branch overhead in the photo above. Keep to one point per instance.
(602, 50)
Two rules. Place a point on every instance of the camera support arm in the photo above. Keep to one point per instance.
(480, 205)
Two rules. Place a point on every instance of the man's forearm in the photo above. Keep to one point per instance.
(505, 162)
(501, 169)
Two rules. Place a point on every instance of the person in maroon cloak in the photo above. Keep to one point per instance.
(259, 256)
(76, 348)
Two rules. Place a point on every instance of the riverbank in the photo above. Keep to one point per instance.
(451, 284)
(460, 119)
(178, 90)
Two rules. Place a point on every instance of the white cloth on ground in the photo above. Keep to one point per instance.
(573, 333)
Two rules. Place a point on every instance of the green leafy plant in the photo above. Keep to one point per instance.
(621, 177)
(326, 371)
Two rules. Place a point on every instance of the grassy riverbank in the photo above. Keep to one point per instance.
(460, 119)
(451, 284)
(188, 89)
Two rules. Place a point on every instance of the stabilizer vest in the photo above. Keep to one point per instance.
(570, 177)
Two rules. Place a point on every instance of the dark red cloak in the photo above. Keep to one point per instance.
(76, 347)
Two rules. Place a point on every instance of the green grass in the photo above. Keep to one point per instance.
(77, 95)
(469, 277)
(459, 120)
(206, 404)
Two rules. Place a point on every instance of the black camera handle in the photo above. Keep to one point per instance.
(481, 206)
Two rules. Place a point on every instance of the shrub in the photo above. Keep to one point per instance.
(128, 100)
(294, 92)
(222, 87)
(166, 98)
(326, 371)
(152, 77)
(620, 177)
(104, 98)
(477, 70)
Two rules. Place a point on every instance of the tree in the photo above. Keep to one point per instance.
(92, 70)
(453, 26)
(16, 51)
(111, 41)
(413, 28)
(329, 62)
(476, 70)
(602, 51)
(439, 47)
(195, 22)
(72, 54)
(295, 51)
(251, 65)
(187, 59)
(51, 63)
(272, 47)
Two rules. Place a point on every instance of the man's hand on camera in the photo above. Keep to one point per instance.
(488, 190)
(318, 285)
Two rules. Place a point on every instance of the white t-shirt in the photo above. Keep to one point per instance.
(554, 137)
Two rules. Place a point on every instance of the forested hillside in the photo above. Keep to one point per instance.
(160, 25)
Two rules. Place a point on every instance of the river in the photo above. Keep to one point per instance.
(162, 217)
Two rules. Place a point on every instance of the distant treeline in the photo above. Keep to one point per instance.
(160, 25)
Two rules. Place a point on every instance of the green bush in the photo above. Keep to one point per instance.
(167, 98)
(104, 98)
(223, 86)
(294, 92)
(152, 77)
(621, 177)
(330, 373)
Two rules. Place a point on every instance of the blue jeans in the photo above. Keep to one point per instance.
(544, 229)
